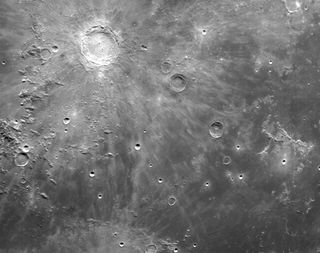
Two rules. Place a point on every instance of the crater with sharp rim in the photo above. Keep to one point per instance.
(99, 45)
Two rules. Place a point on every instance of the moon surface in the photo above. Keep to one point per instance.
(159, 126)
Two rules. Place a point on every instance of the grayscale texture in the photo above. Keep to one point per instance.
(159, 126)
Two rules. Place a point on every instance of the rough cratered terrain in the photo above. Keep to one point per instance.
(148, 126)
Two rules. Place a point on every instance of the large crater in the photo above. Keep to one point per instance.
(99, 45)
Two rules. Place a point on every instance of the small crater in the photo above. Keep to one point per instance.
(144, 47)
(110, 155)
(121, 244)
(45, 54)
(178, 82)
(172, 200)
(226, 160)
(166, 67)
(21, 159)
(25, 148)
(66, 121)
(137, 147)
(100, 196)
(55, 49)
(151, 248)
(160, 180)
(292, 6)
(216, 130)
(91, 174)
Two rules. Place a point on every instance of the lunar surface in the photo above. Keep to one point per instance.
(159, 126)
